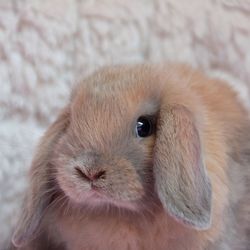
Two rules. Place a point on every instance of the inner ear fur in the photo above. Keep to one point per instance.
(181, 180)
(37, 198)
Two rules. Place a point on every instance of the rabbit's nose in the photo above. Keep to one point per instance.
(90, 176)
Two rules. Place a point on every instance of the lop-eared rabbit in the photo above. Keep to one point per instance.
(144, 157)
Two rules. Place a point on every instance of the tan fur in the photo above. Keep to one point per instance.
(156, 190)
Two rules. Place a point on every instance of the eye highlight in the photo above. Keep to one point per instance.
(144, 126)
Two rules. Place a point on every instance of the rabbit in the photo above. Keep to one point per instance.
(143, 157)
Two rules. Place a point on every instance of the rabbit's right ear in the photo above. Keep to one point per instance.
(38, 197)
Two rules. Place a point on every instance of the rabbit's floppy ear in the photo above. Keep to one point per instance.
(181, 181)
(38, 197)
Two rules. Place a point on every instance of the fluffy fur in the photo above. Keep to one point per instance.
(184, 187)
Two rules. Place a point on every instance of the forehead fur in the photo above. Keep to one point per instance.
(123, 82)
(108, 103)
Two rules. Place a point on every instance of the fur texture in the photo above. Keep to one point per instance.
(95, 185)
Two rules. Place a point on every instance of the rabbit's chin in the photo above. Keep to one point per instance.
(96, 199)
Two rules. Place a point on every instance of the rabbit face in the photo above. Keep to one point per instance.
(101, 159)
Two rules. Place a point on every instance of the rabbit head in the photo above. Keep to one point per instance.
(128, 140)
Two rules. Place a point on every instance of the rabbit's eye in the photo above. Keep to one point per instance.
(144, 126)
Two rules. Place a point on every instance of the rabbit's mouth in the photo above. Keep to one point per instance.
(99, 193)
(97, 198)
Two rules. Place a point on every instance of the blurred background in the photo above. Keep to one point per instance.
(48, 45)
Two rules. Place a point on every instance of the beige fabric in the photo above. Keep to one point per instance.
(46, 45)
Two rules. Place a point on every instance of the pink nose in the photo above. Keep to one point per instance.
(93, 176)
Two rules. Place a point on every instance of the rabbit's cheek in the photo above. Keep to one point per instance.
(124, 185)
(72, 187)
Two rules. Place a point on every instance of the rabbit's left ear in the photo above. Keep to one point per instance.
(181, 181)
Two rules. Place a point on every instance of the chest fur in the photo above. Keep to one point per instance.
(108, 234)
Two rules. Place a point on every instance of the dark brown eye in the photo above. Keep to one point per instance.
(144, 127)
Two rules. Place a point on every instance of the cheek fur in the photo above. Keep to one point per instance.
(72, 186)
(123, 183)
